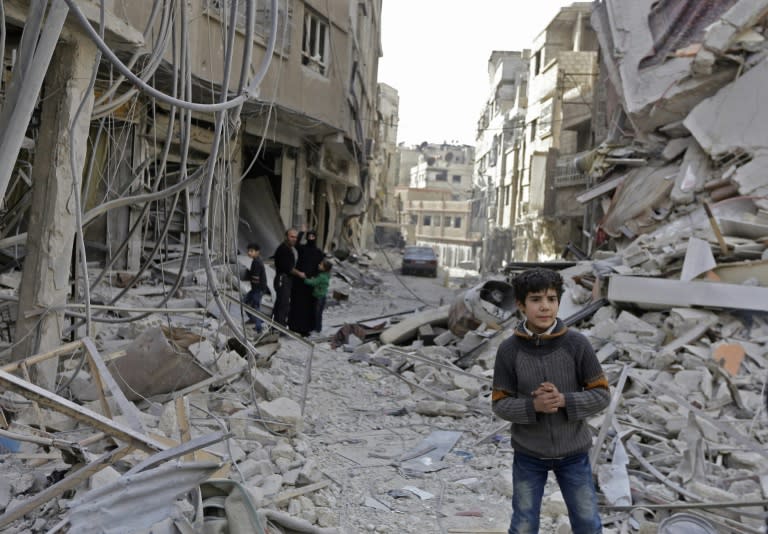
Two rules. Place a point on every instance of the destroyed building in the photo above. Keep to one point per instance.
(161, 404)
(160, 178)
(562, 72)
(499, 141)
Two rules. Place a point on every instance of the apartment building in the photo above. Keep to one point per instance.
(436, 209)
(175, 154)
(499, 135)
(558, 126)
(386, 151)
(302, 152)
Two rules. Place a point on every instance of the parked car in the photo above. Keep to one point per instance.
(419, 260)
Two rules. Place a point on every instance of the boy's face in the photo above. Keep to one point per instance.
(252, 253)
(540, 309)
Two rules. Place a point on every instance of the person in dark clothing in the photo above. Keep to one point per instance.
(301, 317)
(257, 275)
(547, 381)
(285, 271)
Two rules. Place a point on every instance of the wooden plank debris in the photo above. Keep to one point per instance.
(71, 481)
(80, 413)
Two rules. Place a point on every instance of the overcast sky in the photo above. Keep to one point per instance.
(436, 55)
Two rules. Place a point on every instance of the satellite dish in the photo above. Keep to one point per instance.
(449, 157)
(430, 161)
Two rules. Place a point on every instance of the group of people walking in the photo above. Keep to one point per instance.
(302, 277)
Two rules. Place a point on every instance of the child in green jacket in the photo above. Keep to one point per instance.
(320, 285)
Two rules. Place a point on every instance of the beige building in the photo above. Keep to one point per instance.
(386, 152)
(303, 150)
(436, 209)
(499, 140)
(172, 149)
(562, 73)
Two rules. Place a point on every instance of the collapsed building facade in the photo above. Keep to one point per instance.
(682, 116)
(144, 132)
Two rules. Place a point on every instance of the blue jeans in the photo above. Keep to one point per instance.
(319, 307)
(253, 299)
(574, 476)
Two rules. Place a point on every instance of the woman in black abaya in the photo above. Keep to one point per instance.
(301, 318)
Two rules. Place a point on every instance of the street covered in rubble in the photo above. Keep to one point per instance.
(134, 398)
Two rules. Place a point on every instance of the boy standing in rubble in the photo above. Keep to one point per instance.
(257, 275)
(547, 382)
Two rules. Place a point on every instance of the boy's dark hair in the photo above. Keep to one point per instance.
(537, 279)
(327, 265)
(254, 246)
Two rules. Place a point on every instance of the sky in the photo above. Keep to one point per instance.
(436, 56)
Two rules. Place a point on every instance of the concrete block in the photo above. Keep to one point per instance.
(689, 381)
(676, 147)
(734, 118)
(264, 384)
(282, 449)
(230, 362)
(310, 474)
(283, 410)
(271, 485)
(204, 352)
(471, 385)
(104, 477)
(291, 476)
(250, 468)
(445, 338)
(327, 518)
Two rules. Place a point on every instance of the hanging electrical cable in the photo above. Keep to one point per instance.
(223, 105)
(207, 189)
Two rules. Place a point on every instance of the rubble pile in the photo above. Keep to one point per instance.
(383, 422)
(686, 143)
(168, 413)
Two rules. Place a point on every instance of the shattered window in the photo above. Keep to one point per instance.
(221, 8)
(314, 43)
(427, 220)
(457, 222)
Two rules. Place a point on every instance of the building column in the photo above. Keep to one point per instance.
(45, 279)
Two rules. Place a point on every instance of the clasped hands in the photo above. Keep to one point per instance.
(547, 398)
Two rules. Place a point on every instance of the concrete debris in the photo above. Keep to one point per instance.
(171, 392)
(695, 384)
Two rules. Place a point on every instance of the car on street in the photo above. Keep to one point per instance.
(419, 260)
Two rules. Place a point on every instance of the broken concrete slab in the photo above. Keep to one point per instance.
(653, 293)
(698, 259)
(733, 120)
(643, 189)
(695, 170)
(662, 92)
(407, 329)
(152, 366)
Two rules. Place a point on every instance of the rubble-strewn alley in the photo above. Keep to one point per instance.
(145, 147)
